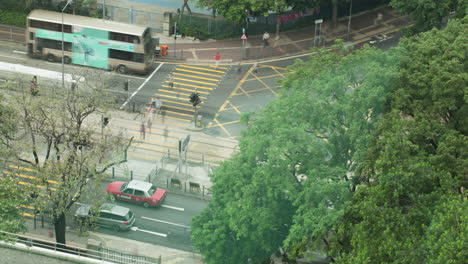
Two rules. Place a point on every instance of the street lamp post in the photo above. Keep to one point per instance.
(349, 19)
(63, 46)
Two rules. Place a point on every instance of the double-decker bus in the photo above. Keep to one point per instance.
(89, 41)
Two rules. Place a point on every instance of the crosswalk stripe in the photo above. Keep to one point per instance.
(199, 68)
(188, 90)
(207, 74)
(188, 80)
(176, 113)
(168, 96)
(37, 186)
(198, 77)
(176, 102)
(180, 108)
(26, 214)
(21, 168)
(192, 85)
(27, 176)
(212, 66)
(174, 92)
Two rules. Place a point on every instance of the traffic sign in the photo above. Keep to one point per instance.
(243, 37)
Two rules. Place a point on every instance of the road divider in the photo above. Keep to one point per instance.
(164, 222)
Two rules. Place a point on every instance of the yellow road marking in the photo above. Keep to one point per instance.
(223, 128)
(234, 107)
(268, 87)
(180, 108)
(208, 74)
(21, 168)
(37, 186)
(264, 77)
(223, 124)
(212, 66)
(168, 96)
(175, 102)
(198, 68)
(198, 77)
(188, 90)
(27, 176)
(192, 85)
(26, 214)
(188, 80)
(174, 92)
(27, 206)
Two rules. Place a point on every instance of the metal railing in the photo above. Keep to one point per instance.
(62, 251)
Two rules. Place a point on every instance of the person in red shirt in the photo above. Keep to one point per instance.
(217, 59)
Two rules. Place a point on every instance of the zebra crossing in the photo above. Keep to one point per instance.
(186, 79)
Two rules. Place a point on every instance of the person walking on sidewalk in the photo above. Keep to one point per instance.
(142, 130)
(217, 59)
(265, 39)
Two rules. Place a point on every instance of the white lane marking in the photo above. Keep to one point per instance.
(11, 57)
(164, 222)
(20, 52)
(173, 207)
(141, 86)
(11, 67)
(146, 231)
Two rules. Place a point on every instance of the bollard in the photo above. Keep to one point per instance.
(113, 173)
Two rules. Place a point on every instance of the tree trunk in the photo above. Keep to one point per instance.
(59, 225)
(334, 13)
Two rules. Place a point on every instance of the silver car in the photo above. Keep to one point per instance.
(109, 215)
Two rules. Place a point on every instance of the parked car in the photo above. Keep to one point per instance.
(380, 38)
(109, 215)
(139, 192)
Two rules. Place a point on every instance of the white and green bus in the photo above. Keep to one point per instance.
(89, 41)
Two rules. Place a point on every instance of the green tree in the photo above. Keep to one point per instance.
(316, 130)
(429, 13)
(412, 182)
(11, 197)
(60, 137)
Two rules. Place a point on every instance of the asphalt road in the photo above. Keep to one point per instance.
(168, 225)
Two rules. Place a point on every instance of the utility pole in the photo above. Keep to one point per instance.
(175, 38)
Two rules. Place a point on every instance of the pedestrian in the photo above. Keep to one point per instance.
(217, 59)
(239, 71)
(163, 116)
(33, 86)
(265, 38)
(142, 130)
(149, 124)
(165, 133)
(157, 103)
(171, 81)
(255, 68)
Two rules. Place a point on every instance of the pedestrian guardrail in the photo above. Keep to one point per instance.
(63, 251)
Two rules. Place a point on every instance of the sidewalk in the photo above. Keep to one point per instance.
(363, 26)
(133, 247)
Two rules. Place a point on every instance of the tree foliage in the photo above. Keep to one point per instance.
(429, 13)
(412, 186)
(11, 197)
(318, 130)
(60, 138)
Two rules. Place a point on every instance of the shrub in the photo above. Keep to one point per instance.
(13, 18)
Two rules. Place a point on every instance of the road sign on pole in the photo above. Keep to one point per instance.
(244, 37)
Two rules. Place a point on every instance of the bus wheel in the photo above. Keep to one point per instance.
(122, 69)
(50, 57)
(66, 60)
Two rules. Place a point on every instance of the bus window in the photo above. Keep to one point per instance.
(49, 26)
(125, 55)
